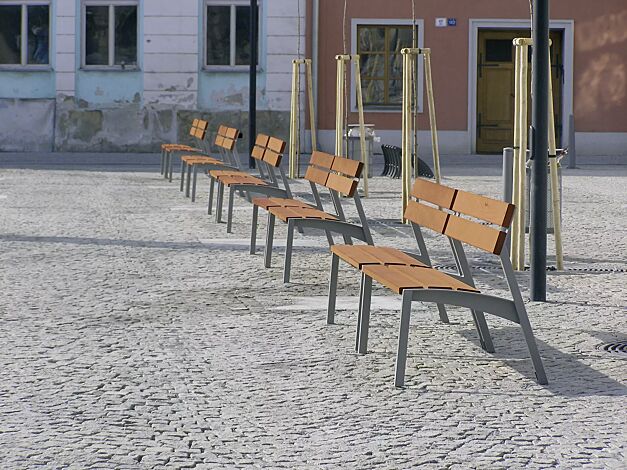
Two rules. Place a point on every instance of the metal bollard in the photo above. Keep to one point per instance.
(508, 173)
(572, 152)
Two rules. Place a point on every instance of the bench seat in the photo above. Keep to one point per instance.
(361, 255)
(398, 278)
(287, 213)
(268, 202)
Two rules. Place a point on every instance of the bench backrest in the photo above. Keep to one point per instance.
(447, 204)
(268, 149)
(226, 137)
(198, 128)
(337, 173)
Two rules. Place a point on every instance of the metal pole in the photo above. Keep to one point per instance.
(508, 173)
(572, 151)
(539, 122)
(252, 99)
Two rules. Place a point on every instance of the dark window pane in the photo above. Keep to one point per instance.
(125, 35)
(372, 65)
(498, 50)
(396, 66)
(218, 35)
(399, 39)
(371, 39)
(242, 35)
(10, 25)
(97, 35)
(373, 92)
(38, 34)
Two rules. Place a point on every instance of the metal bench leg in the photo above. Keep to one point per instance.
(267, 259)
(253, 231)
(170, 166)
(335, 264)
(229, 215)
(288, 251)
(443, 314)
(482, 330)
(219, 202)
(194, 179)
(364, 314)
(166, 164)
(188, 180)
(162, 163)
(210, 203)
(533, 348)
(403, 336)
(183, 168)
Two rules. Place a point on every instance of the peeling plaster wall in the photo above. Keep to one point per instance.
(26, 125)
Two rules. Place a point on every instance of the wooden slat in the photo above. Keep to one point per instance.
(266, 202)
(342, 184)
(200, 134)
(316, 175)
(195, 122)
(399, 278)
(262, 140)
(272, 158)
(434, 193)
(241, 179)
(202, 124)
(286, 213)
(360, 255)
(484, 208)
(480, 236)
(426, 216)
(231, 133)
(221, 130)
(258, 152)
(350, 168)
(276, 145)
(219, 140)
(228, 144)
(321, 159)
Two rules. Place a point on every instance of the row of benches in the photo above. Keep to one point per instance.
(463, 217)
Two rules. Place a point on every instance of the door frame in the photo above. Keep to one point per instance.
(568, 56)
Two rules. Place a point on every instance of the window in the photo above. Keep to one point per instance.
(24, 33)
(227, 39)
(379, 47)
(109, 34)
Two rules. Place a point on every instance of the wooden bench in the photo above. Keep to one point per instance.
(484, 225)
(341, 177)
(226, 144)
(197, 130)
(268, 151)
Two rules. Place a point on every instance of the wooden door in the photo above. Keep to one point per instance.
(495, 87)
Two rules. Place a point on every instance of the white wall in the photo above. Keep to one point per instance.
(282, 46)
(170, 45)
(65, 54)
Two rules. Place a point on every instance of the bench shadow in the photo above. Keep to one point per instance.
(568, 375)
(197, 245)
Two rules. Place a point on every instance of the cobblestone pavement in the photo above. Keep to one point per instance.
(135, 333)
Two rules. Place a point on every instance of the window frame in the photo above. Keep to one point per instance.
(355, 23)
(232, 67)
(111, 35)
(24, 65)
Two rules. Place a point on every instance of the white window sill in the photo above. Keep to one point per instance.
(25, 68)
(106, 68)
(229, 69)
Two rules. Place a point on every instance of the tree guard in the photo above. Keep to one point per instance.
(409, 141)
(341, 124)
(520, 153)
(295, 121)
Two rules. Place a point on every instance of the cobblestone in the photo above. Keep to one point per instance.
(135, 333)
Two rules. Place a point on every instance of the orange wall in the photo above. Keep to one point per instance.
(600, 60)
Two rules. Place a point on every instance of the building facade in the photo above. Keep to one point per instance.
(126, 75)
(472, 68)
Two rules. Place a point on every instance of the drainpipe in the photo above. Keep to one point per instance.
(315, 20)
